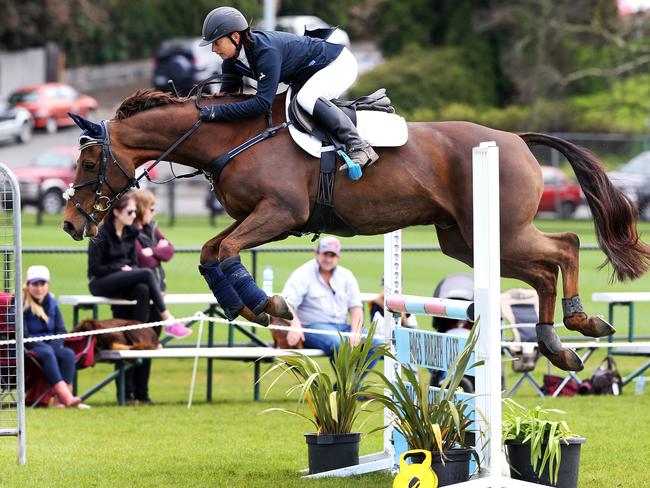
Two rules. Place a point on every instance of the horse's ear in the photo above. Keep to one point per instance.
(92, 129)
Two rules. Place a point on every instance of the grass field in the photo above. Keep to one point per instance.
(227, 442)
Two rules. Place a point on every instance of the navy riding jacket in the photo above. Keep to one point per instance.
(35, 326)
(274, 57)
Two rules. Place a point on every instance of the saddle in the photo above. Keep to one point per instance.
(377, 101)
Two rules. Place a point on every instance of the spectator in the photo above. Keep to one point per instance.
(42, 317)
(322, 294)
(376, 309)
(113, 270)
(152, 248)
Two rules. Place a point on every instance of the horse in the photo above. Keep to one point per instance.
(270, 189)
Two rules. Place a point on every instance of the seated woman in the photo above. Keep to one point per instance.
(152, 249)
(113, 272)
(42, 317)
(376, 311)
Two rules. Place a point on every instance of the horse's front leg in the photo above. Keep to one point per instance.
(269, 219)
(228, 298)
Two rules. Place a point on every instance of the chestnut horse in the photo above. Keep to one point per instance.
(270, 189)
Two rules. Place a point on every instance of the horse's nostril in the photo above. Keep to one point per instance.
(68, 227)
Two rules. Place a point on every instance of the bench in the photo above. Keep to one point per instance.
(256, 350)
(626, 299)
(256, 354)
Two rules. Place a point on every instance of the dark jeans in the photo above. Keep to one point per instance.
(138, 284)
(58, 362)
(136, 378)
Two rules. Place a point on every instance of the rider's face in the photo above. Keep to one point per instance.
(224, 46)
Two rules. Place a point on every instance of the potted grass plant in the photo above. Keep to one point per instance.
(435, 420)
(540, 449)
(334, 399)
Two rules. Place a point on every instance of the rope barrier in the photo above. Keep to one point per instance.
(196, 317)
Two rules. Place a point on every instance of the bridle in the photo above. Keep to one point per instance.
(104, 203)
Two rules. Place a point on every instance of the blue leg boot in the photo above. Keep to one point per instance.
(230, 301)
(252, 296)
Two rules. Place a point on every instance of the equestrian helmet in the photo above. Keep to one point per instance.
(220, 22)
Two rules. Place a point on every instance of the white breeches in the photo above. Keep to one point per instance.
(330, 81)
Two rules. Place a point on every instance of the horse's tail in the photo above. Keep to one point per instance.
(614, 214)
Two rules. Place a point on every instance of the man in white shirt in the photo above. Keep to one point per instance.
(321, 294)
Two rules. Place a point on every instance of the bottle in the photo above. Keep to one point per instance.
(267, 280)
(639, 385)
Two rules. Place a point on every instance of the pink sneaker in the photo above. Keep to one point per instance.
(177, 330)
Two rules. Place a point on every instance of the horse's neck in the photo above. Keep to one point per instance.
(150, 133)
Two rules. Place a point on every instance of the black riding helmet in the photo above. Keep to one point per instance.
(220, 22)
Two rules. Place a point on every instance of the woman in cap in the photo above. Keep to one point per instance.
(42, 317)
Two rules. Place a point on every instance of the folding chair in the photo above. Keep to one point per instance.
(38, 391)
(520, 309)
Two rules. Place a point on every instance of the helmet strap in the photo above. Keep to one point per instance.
(236, 44)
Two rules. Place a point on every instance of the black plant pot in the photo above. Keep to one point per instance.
(456, 467)
(521, 469)
(332, 451)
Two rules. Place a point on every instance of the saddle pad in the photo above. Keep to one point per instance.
(380, 129)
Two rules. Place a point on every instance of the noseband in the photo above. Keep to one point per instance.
(102, 202)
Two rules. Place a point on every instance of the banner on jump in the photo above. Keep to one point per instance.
(431, 350)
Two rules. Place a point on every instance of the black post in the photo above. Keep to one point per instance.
(39, 206)
(172, 203)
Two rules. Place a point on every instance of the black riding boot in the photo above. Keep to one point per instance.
(341, 127)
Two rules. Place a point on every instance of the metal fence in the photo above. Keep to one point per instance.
(12, 384)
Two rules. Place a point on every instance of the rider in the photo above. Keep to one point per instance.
(326, 70)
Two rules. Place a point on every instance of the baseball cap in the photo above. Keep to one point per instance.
(329, 244)
(38, 273)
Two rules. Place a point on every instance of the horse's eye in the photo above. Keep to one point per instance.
(88, 165)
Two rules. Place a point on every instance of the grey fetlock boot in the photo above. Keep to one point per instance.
(341, 127)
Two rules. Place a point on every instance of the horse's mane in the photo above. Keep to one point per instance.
(148, 98)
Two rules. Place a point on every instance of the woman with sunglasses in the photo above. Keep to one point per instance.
(42, 317)
(113, 270)
(152, 249)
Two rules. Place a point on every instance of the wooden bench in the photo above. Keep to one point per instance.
(626, 299)
(256, 354)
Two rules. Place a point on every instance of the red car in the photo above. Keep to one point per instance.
(561, 195)
(46, 179)
(49, 104)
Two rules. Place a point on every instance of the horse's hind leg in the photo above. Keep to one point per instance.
(543, 278)
(574, 317)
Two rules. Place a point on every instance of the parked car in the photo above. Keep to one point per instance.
(560, 195)
(185, 62)
(633, 179)
(43, 182)
(16, 123)
(49, 104)
(296, 24)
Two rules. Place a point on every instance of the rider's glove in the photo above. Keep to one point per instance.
(211, 113)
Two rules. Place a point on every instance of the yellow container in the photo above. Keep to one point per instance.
(415, 475)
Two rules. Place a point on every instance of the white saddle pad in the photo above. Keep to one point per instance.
(380, 129)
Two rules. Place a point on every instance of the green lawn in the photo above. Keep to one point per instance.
(227, 442)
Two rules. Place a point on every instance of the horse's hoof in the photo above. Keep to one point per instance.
(566, 359)
(595, 326)
(262, 318)
(277, 307)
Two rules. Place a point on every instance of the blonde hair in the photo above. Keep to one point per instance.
(33, 305)
(144, 199)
